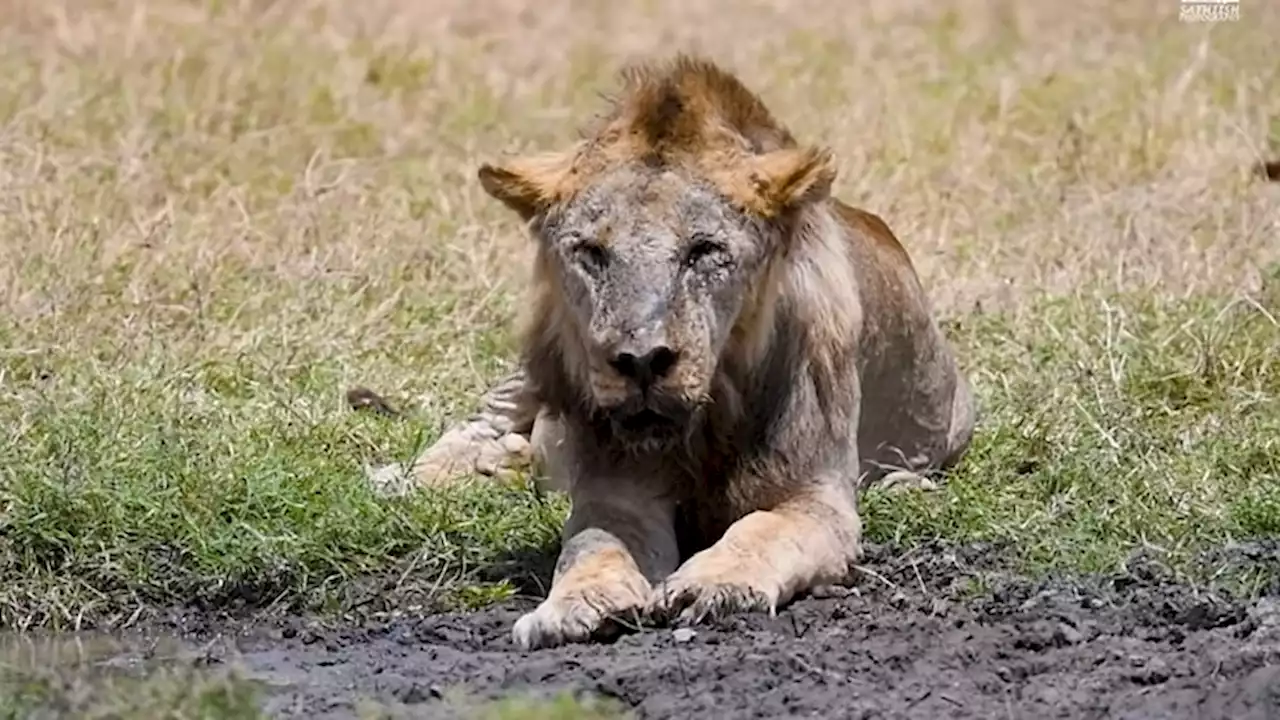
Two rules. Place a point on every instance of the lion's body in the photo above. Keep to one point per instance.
(800, 358)
(917, 408)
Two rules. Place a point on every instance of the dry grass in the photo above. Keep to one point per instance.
(179, 160)
(217, 216)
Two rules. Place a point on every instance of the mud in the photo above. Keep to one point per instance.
(938, 632)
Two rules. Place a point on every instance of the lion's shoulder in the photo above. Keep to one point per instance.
(868, 228)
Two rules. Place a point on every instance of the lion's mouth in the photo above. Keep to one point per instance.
(648, 417)
(646, 421)
(648, 424)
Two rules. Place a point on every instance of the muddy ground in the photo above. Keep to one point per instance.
(936, 633)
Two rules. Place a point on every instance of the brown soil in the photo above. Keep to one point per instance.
(936, 633)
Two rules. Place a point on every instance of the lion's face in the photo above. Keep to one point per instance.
(657, 231)
(654, 267)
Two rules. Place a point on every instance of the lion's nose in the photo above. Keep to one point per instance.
(646, 366)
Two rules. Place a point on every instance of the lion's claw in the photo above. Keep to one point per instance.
(579, 617)
(689, 599)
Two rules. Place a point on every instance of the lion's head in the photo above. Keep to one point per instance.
(657, 235)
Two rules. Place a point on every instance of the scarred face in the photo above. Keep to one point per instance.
(654, 267)
(657, 236)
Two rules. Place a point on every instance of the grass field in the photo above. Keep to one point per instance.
(217, 216)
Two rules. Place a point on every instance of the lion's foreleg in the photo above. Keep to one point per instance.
(618, 540)
(767, 557)
(493, 440)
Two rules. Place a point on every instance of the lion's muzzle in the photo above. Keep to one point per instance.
(648, 412)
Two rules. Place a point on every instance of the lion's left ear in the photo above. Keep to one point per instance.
(787, 179)
(527, 185)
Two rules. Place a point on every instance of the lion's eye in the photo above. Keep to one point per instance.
(593, 257)
(702, 249)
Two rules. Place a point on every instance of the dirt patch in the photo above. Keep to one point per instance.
(939, 632)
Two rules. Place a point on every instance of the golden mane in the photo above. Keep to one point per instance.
(689, 106)
(684, 113)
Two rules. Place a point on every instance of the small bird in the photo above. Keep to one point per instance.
(362, 398)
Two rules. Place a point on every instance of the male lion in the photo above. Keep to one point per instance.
(718, 353)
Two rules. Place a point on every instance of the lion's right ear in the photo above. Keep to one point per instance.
(528, 185)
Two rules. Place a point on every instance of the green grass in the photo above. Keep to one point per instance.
(1109, 424)
(160, 485)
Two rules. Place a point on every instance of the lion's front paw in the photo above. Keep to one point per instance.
(709, 589)
(471, 449)
(577, 617)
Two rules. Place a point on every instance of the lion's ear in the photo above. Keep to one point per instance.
(786, 179)
(527, 185)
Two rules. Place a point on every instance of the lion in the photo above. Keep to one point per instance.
(719, 354)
